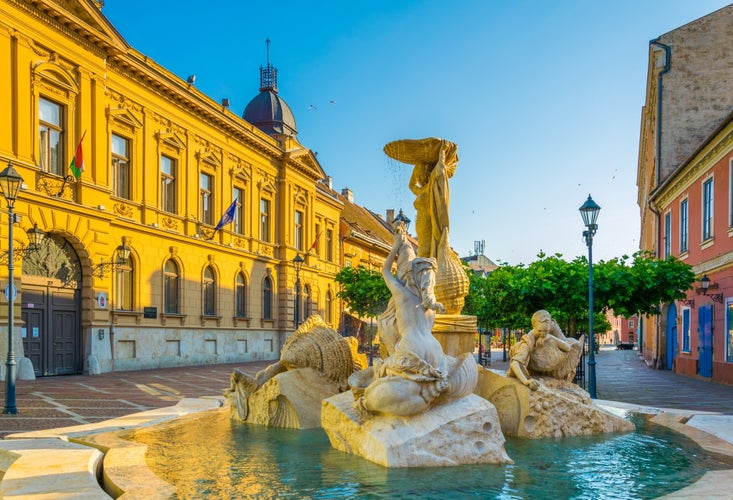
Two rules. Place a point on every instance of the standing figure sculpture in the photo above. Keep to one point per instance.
(544, 351)
(434, 163)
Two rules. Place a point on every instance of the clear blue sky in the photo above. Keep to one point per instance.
(542, 97)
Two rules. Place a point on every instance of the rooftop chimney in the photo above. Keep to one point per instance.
(390, 216)
(348, 194)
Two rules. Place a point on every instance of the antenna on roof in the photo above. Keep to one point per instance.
(268, 74)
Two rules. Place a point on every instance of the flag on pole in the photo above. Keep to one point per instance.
(228, 215)
(77, 162)
(315, 243)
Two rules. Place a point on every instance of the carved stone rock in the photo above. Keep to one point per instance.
(291, 400)
(464, 431)
(557, 408)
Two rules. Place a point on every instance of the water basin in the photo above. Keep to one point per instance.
(206, 455)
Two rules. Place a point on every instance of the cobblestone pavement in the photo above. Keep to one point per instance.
(51, 402)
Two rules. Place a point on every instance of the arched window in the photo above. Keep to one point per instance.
(240, 296)
(267, 298)
(123, 299)
(329, 308)
(209, 292)
(170, 287)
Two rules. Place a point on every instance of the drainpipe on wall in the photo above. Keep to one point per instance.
(657, 320)
(667, 53)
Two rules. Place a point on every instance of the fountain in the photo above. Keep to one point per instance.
(329, 426)
(409, 408)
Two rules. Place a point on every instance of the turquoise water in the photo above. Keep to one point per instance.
(209, 456)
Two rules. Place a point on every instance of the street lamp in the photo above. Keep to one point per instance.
(401, 217)
(589, 211)
(298, 263)
(10, 181)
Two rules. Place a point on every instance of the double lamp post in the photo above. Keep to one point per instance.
(10, 182)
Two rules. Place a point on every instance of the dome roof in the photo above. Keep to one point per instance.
(270, 113)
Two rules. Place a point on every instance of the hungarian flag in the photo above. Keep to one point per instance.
(77, 162)
(315, 243)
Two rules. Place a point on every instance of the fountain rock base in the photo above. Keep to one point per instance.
(464, 431)
(291, 400)
(558, 408)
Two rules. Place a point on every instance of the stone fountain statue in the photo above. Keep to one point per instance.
(537, 398)
(545, 350)
(416, 407)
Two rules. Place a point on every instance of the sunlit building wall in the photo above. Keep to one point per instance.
(163, 163)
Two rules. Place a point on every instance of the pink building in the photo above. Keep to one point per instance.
(685, 181)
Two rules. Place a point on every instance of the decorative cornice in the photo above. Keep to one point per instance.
(69, 25)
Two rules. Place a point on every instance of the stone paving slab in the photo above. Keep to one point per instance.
(53, 402)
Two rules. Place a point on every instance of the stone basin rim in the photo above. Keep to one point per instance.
(132, 461)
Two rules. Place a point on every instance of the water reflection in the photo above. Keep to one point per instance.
(208, 455)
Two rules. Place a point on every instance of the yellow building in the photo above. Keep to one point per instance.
(163, 162)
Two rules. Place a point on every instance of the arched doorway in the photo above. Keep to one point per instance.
(51, 308)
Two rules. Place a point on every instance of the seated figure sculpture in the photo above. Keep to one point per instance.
(416, 374)
(544, 351)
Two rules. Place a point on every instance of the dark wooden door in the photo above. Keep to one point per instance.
(52, 333)
(705, 341)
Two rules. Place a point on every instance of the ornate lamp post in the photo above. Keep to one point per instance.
(401, 217)
(298, 263)
(10, 181)
(589, 211)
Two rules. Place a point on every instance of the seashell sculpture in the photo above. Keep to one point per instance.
(451, 281)
(316, 345)
(315, 363)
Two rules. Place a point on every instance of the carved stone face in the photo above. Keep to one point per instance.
(542, 323)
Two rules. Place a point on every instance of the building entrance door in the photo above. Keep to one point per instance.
(671, 336)
(51, 335)
(705, 341)
(51, 308)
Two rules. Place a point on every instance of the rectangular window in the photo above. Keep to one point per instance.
(684, 217)
(238, 223)
(631, 324)
(121, 166)
(298, 236)
(123, 289)
(51, 137)
(329, 245)
(707, 209)
(667, 234)
(265, 220)
(206, 195)
(686, 330)
(168, 184)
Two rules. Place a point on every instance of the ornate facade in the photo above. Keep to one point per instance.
(163, 163)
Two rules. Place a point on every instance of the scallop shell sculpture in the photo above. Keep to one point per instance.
(451, 280)
(316, 345)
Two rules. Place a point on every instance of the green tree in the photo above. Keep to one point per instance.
(363, 290)
(511, 294)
